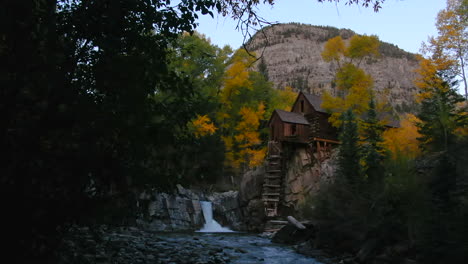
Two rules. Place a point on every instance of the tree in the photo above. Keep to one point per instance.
(402, 141)
(440, 117)
(195, 58)
(452, 39)
(374, 152)
(353, 84)
(349, 165)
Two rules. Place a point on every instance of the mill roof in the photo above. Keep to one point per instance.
(315, 101)
(291, 117)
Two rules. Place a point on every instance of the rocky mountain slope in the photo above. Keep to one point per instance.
(292, 56)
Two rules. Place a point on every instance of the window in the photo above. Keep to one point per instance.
(302, 106)
(293, 129)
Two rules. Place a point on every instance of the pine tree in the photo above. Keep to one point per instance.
(373, 149)
(440, 117)
(349, 168)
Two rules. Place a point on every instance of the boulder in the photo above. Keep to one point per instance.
(251, 185)
(226, 209)
(291, 234)
(254, 215)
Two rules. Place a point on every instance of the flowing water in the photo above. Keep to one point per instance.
(211, 226)
(242, 248)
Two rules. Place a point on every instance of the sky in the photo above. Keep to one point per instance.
(405, 23)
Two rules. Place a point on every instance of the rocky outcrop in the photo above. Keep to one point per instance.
(250, 198)
(251, 185)
(292, 56)
(304, 176)
(181, 210)
(227, 210)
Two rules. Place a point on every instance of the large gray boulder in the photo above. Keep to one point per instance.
(251, 185)
(226, 209)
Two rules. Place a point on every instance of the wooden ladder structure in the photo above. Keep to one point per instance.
(272, 182)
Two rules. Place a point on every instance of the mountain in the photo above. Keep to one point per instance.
(291, 56)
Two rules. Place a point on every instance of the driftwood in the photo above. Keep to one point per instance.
(296, 223)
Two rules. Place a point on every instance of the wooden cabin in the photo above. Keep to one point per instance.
(306, 121)
(288, 126)
(309, 105)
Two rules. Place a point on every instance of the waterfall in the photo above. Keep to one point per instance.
(211, 226)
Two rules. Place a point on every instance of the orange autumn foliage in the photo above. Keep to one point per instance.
(403, 140)
(243, 148)
(202, 126)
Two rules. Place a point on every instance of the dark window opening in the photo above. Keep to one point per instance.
(302, 106)
(293, 129)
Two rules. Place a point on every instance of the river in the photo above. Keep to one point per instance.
(138, 246)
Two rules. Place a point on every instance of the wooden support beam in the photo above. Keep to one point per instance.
(325, 140)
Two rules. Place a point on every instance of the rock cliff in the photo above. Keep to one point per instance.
(292, 56)
(304, 175)
(181, 210)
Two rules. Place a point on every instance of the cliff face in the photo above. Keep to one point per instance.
(292, 56)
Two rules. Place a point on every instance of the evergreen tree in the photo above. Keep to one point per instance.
(373, 149)
(349, 168)
(263, 69)
(440, 117)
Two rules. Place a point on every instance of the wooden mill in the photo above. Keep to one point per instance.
(307, 126)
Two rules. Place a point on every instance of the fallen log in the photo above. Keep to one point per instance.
(296, 223)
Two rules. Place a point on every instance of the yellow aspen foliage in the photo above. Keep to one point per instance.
(256, 156)
(202, 126)
(361, 46)
(229, 157)
(244, 147)
(355, 88)
(462, 131)
(403, 140)
(284, 99)
(248, 137)
(335, 105)
(428, 79)
(237, 76)
(334, 49)
(452, 40)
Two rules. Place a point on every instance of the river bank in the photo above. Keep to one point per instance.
(132, 245)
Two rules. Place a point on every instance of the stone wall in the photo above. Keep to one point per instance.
(181, 210)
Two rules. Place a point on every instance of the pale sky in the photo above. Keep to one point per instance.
(405, 23)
